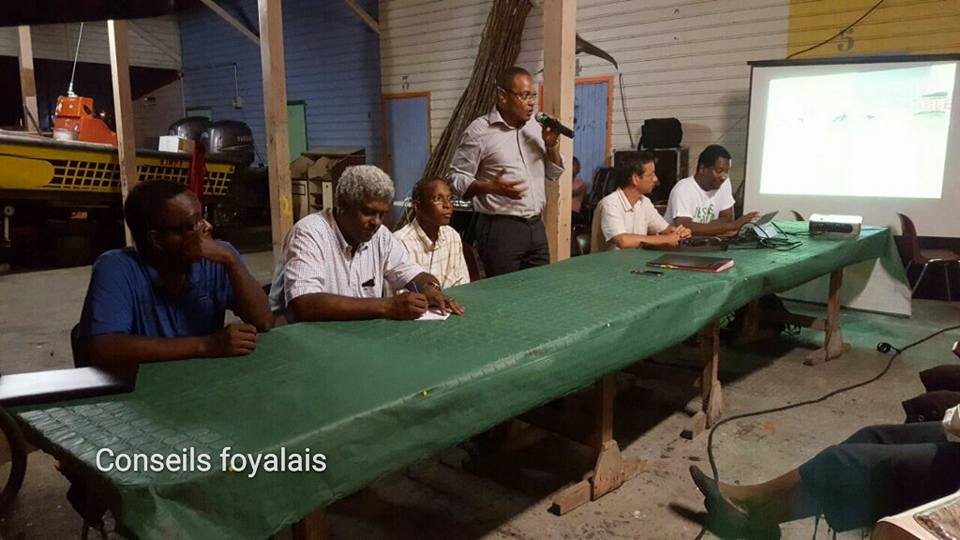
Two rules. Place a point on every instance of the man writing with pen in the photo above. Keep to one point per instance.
(335, 263)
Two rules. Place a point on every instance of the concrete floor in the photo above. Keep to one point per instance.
(508, 496)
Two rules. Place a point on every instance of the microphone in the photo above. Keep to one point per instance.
(554, 124)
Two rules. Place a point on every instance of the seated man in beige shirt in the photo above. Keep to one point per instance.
(429, 239)
(627, 219)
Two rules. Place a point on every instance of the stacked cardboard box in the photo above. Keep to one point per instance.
(315, 174)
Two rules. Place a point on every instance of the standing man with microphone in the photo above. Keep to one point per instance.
(501, 165)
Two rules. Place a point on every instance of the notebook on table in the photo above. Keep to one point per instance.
(692, 262)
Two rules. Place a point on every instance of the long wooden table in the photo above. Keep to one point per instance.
(376, 396)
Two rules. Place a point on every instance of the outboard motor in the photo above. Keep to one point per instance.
(191, 127)
(232, 139)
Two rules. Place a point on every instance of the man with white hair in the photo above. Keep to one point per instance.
(335, 262)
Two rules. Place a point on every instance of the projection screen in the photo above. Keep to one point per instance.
(863, 136)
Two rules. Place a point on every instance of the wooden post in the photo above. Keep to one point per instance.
(123, 109)
(275, 109)
(559, 64)
(28, 82)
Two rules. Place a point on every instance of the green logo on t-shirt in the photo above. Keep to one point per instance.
(704, 214)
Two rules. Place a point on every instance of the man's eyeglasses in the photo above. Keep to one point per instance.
(439, 200)
(530, 97)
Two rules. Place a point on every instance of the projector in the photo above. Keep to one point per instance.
(834, 226)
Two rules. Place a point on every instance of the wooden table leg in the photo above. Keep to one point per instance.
(608, 473)
(711, 394)
(611, 470)
(712, 399)
(833, 345)
(604, 394)
(315, 526)
(750, 330)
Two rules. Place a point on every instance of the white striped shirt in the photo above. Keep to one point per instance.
(317, 259)
(443, 259)
(490, 145)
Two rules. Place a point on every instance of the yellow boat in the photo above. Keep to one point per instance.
(39, 168)
(60, 201)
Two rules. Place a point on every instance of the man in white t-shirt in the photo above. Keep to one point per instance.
(704, 202)
(627, 219)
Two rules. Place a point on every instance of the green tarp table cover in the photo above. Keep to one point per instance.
(375, 396)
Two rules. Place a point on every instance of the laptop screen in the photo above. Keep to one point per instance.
(766, 218)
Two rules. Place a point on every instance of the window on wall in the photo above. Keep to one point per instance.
(205, 112)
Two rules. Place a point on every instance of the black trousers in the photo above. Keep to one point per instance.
(880, 471)
(507, 244)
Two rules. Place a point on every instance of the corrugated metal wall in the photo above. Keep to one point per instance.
(429, 46)
(679, 58)
(152, 42)
(332, 63)
(898, 26)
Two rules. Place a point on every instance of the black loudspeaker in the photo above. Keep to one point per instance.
(672, 165)
(660, 133)
(604, 183)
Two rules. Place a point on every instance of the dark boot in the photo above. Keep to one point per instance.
(724, 519)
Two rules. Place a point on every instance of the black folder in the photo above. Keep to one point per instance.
(692, 262)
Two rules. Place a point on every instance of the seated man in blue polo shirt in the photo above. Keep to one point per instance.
(166, 299)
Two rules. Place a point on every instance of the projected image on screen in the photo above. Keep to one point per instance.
(878, 133)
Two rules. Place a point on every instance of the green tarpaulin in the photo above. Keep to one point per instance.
(376, 396)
